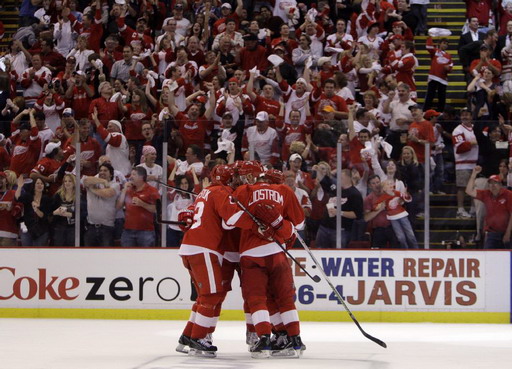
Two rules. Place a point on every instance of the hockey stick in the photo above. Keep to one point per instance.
(176, 188)
(159, 215)
(315, 278)
(340, 299)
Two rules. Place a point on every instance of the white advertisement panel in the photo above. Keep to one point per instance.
(428, 281)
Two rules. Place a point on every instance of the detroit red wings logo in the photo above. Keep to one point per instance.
(19, 150)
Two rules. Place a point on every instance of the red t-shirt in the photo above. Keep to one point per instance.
(423, 131)
(25, 153)
(133, 125)
(370, 203)
(355, 151)
(136, 217)
(5, 159)
(90, 151)
(80, 102)
(193, 132)
(47, 167)
(498, 209)
(106, 110)
(270, 106)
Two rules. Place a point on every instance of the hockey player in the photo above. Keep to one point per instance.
(202, 255)
(265, 268)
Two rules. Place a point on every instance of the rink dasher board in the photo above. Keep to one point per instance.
(133, 283)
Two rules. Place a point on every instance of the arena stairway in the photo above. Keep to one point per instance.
(9, 15)
(446, 231)
(449, 15)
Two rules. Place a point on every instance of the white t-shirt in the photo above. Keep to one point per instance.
(156, 171)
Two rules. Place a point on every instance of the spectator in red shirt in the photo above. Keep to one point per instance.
(79, 93)
(9, 209)
(421, 133)
(486, 61)
(253, 54)
(139, 200)
(193, 127)
(498, 205)
(90, 149)
(327, 96)
(107, 110)
(109, 55)
(378, 224)
(303, 179)
(26, 145)
(52, 60)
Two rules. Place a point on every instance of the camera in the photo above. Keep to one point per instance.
(50, 86)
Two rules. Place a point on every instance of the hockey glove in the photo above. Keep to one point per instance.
(269, 215)
(265, 232)
(187, 216)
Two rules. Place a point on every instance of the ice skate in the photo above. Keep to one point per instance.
(183, 344)
(281, 345)
(201, 347)
(209, 338)
(297, 345)
(261, 349)
(251, 338)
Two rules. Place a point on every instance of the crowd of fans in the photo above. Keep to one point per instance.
(278, 81)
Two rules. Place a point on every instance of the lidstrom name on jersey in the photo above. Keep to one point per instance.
(266, 194)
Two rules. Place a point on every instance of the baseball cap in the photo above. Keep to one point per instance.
(328, 109)
(431, 113)
(484, 47)
(227, 113)
(415, 106)
(226, 5)
(323, 60)
(495, 178)
(201, 99)
(262, 116)
(250, 37)
(294, 157)
(50, 147)
(68, 112)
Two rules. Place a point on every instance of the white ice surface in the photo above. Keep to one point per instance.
(132, 344)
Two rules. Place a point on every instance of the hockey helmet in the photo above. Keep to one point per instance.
(221, 174)
(274, 176)
(251, 167)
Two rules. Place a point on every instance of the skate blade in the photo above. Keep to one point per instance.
(182, 348)
(284, 353)
(200, 353)
(263, 354)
